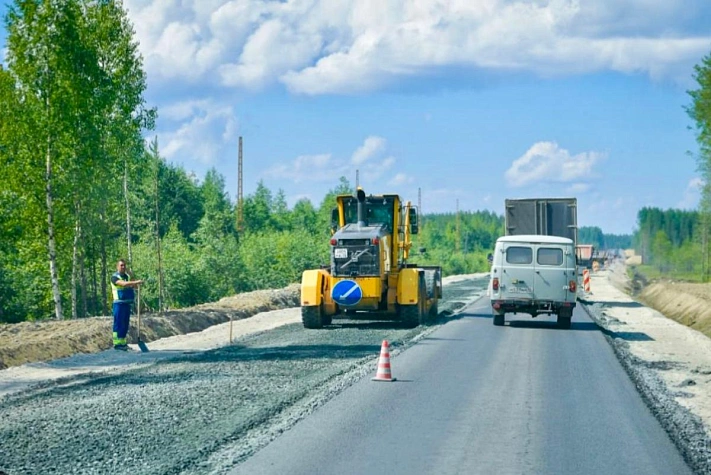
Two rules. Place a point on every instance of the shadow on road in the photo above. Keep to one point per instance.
(613, 304)
(627, 336)
(575, 326)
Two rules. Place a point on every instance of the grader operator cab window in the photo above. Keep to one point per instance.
(378, 211)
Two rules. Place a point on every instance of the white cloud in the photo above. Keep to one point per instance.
(692, 194)
(309, 168)
(341, 46)
(205, 129)
(401, 179)
(371, 147)
(579, 188)
(547, 162)
(325, 168)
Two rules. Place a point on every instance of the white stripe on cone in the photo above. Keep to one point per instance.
(384, 372)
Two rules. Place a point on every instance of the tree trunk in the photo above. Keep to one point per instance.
(104, 274)
(95, 285)
(52, 247)
(83, 283)
(128, 213)
(75, 263)
(160, 263)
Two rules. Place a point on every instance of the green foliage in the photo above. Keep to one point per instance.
(276, 259)
(594, 235)
(463, 251)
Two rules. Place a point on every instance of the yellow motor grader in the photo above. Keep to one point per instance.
(369, 272)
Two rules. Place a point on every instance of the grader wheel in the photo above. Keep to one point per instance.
(312, 317)
(414, 315)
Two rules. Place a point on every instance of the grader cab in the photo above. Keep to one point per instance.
(369, 271)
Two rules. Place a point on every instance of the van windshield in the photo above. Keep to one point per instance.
(519, 255)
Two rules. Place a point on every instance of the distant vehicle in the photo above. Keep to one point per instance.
(585, 254)
(533, 274)
(369, 270)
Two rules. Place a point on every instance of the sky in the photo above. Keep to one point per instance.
(464, 102)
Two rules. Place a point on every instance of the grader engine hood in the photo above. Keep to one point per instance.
(355, 251)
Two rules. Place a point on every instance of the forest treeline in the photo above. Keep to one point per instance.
(82, 188)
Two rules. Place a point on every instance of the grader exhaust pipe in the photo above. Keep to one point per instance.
(360, 194)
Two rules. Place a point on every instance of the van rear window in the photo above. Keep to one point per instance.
(548, 256)
(519, 255)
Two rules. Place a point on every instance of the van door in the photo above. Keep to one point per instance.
(551, 277)
(517, 277)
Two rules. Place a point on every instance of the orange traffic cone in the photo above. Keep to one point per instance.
(384, 373)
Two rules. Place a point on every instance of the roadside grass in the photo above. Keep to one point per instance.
(652, 273)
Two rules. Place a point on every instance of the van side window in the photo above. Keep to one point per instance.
(519, 255)
(548, 256)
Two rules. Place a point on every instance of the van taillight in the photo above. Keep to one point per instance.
(495, 283)
(571, 286)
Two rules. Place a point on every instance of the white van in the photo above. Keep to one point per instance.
(533, 274)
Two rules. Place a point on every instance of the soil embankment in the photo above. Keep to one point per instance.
(688, 304)
(30, 342)
(683, 302)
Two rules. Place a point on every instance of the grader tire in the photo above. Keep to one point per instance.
(434, 312)
(312, 317)
(430, 282)
(410, 315)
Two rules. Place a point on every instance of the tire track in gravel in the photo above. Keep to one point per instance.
(198, 413)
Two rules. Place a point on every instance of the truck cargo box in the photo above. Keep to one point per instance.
(546, 216)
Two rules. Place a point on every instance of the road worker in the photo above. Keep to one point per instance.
(122, 289)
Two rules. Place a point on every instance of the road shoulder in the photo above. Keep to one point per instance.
(669, 363)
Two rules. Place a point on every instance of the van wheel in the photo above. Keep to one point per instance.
(564, 322)
(499, 319)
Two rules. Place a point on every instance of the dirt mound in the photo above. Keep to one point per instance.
(688, 304)
(29, 342)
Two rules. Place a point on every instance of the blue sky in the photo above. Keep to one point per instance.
(469, 100)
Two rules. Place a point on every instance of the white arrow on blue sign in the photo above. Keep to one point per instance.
(347, 292)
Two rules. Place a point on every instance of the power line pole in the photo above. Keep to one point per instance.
(357, 179)
(240, 217)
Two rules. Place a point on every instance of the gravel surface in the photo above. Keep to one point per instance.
(197, 413)
(629, 337)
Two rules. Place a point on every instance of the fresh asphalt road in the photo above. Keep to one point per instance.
(472, 398)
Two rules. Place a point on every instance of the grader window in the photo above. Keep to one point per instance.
(377, 211)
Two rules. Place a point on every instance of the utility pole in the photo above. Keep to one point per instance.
(357, 179)
(240, 217)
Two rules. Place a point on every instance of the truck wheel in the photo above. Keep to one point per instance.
(326, 319)
(564, 322)
(312, 317)
(499, 319)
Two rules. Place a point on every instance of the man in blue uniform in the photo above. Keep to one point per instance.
(122, 289)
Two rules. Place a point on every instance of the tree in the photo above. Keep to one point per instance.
(700, 112)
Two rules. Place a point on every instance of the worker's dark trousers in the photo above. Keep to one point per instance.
(122, 314)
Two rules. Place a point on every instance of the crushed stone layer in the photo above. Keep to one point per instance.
(669, 363)
(199, 411)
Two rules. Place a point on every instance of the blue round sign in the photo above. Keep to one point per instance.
(347, 292)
